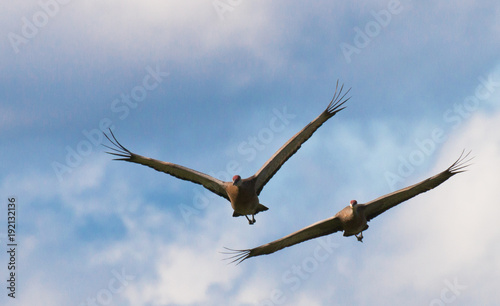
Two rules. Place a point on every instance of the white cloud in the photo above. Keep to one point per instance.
(38, 291)
(155, 29)
(183, 275)
(448, 232)
(417, 249)
(421, 250)
(408, 254)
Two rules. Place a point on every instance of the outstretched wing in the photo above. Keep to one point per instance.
(288, 149)
(183, 173)
(380, 205)
(321, 228)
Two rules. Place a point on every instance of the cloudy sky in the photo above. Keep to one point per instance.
(200, 83)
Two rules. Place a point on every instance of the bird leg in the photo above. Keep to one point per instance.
(250, 221)
(360, 237)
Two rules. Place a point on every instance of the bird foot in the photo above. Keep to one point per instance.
(360, 237)
(250, 221)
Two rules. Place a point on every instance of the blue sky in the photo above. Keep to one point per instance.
(199, 83)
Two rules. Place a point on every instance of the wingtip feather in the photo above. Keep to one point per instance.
(119, 149)
(338, 100)
(238, 256)
(461, 163)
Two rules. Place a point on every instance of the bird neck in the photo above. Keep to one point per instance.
(355, 210)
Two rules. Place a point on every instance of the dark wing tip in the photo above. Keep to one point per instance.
(337, 100)
(461, 163)
(237, 256)
(118, 149)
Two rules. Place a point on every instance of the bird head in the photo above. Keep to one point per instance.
(236, 180)
(353, 203)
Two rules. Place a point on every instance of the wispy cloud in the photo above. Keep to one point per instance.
(421, 72)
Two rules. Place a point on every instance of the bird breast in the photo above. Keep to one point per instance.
(243, 197)
(351, 222)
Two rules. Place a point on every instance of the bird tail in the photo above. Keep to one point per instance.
(260, 208)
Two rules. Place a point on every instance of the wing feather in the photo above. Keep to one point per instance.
(380, 205)
(318, 229)
(183, 173)
(267, 171)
